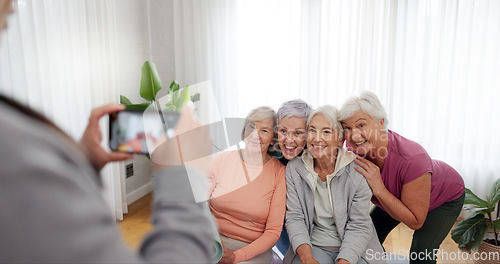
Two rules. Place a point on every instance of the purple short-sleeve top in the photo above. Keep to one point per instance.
(406, 161)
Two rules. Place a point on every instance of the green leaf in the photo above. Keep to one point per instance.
(174, 86)
(494, 194)
(124, 100)
(481, 210)
(471, 198)
(137, 106)
(175, 99)
(471, 216)
(496, 224)
(195, 97)
(470, 232)
(150, 81)
(183, 98)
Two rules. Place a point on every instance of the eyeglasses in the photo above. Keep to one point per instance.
(292, 133)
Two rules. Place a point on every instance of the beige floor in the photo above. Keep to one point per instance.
(136, 225)
(399, 241)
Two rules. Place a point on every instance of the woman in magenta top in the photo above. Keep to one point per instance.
(408, 186)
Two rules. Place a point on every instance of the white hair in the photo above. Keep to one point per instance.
(292, 108)
(368, 103)
(331, 114)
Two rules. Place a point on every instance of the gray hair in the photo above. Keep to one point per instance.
(368, 103)
(292, 108)
(331, 114)
(259, 114)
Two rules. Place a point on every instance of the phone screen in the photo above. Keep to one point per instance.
(139, 132)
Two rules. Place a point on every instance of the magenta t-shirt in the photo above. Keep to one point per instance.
(406, 161)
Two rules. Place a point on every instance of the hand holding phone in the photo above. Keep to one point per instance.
(139, 132)
(90, 142)
(170, 139)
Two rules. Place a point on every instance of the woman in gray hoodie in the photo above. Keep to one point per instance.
(328, 200)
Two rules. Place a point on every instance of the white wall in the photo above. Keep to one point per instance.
(145, 32)
(162, 39)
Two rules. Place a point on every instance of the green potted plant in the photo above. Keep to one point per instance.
(151, 85)
(470, 233)
(177, 98)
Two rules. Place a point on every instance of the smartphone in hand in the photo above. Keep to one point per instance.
(138, 132)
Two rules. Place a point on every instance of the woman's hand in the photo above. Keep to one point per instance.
(371, 172)
(413, 206)
(92, 136)
(342, 261)
(305, 254)
(227, 257)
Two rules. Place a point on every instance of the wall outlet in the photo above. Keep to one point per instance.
(129, 170)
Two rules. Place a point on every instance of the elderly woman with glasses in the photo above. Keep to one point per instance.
(408, 186)
(328, 200)
(291, 129)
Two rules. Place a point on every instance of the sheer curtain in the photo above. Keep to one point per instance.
(434, 64)
(58, 56)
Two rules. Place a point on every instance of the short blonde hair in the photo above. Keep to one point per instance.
(259, 114)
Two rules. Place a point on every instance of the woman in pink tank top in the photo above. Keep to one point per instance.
(408, 186)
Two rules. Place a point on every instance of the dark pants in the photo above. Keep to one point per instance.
(430, 236)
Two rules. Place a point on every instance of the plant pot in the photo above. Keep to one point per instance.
(484, 251)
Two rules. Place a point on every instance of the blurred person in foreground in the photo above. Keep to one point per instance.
(248, 193)
(52, 209)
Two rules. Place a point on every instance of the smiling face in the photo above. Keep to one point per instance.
(259, 135)
(291, 136)
(363, 133)
(322, 139)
